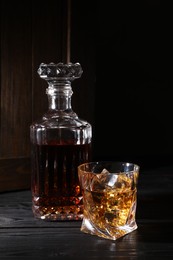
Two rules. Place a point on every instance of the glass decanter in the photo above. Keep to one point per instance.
(60, 141)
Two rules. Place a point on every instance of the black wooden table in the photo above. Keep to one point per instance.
(24, 237)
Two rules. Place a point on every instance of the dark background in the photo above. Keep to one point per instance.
(125, 91)
(134, 83)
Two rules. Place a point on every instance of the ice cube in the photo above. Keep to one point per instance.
(108, 178)
(98, 181)
(124, 181)
(96, 185)
(112, 180)
(102, 180)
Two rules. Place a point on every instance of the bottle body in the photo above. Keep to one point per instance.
(56, 193)
(60, 141)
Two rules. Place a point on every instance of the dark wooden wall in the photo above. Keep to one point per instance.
(127, 99)
(29, 36)
(33, 32)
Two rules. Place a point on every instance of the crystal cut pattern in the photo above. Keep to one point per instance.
(60, 141)
(68, 71)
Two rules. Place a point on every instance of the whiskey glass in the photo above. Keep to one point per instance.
(109, 191)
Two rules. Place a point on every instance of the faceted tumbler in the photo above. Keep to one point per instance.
(109, 198)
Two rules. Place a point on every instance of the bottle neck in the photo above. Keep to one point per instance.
(59, 97)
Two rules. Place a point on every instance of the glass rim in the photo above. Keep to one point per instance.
(83, 166)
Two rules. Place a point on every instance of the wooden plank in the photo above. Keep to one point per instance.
(16, 79)
(15, 174)
(153, 241)
(24, 237)
(35, 32)
(48, 45)
(16, 211)
(83, 50)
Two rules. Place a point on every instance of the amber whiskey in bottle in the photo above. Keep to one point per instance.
(60, 141)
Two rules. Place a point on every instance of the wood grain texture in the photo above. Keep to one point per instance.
(24, 237)
(48, 45)
(15, 174)
(31, 32)
(16, 79)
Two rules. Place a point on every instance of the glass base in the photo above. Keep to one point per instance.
(107, 232)
(58, 213)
